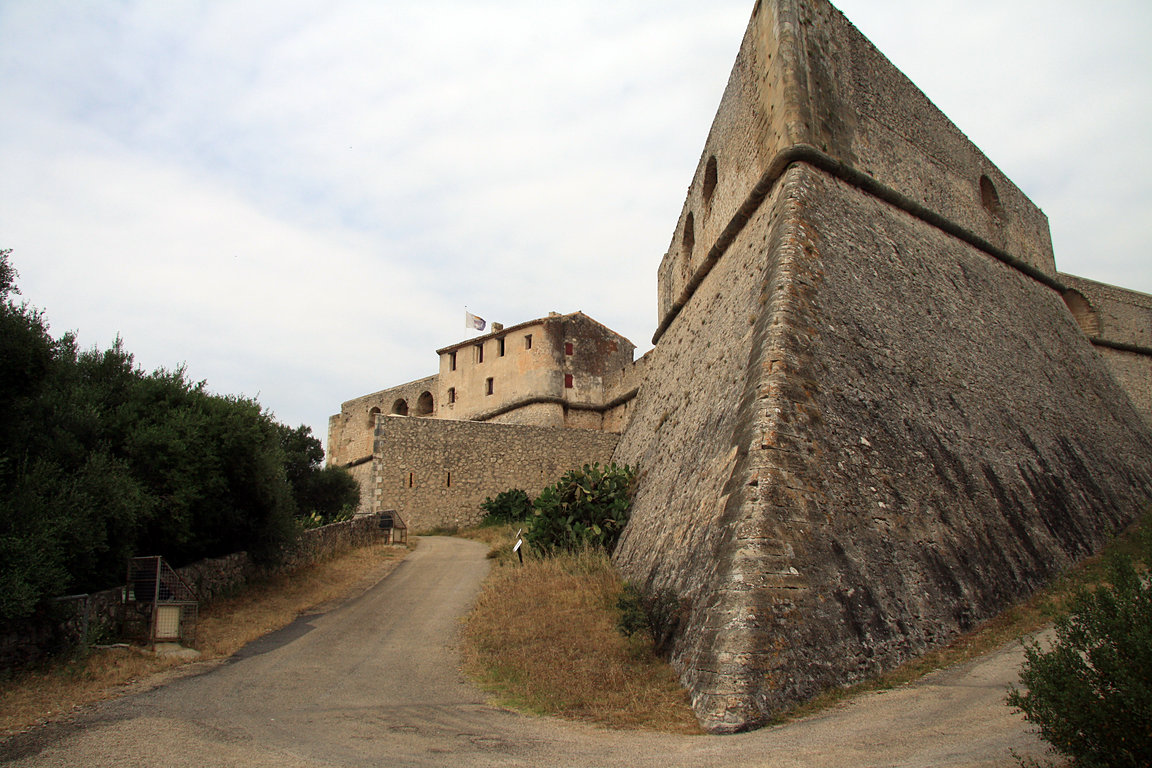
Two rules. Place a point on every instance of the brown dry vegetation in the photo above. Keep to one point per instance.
(543, 639)
(225, 626)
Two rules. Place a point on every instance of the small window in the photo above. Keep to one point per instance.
(479, 353)
(410, 479)
(568, 348)
(568, 381)
(527, 341)
(709, 180)
(451, 361)
(488, 386)
(451, 395)
(449, 481)
(500, 347)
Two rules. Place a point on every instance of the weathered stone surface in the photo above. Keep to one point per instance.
(437, 472)
(870, 420)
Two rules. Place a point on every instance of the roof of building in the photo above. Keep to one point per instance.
(510, 329)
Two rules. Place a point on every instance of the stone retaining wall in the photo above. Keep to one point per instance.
(71, 621)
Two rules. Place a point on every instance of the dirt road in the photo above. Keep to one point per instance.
(375, 683)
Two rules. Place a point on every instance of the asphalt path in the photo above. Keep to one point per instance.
(376, 682)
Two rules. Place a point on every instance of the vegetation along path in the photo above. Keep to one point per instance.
(376, 681)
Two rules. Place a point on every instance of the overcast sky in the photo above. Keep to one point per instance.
(297, 200)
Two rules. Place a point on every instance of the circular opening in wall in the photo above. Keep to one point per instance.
(709, 180)
(689, 234)
(989, 198)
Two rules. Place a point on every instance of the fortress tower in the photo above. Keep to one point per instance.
(875, 414)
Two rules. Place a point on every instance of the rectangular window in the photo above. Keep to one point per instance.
(479, 353)
(527, 341)
(500, 347)
(488, 386)
(567, 347)
(568, 381)
(451, 361)
(451, 395)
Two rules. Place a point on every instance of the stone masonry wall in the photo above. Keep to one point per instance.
(1124, 319)
(436, 472)
(863, 483)
(351, 431)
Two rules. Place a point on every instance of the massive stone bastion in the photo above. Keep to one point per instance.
(870, 420)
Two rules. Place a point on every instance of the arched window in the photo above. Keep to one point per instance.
(424, 404)
(400, 407)
(1083, 313)
(372, 414)
(709, 180)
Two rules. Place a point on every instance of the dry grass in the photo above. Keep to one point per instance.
(543, 639)
(225, 626)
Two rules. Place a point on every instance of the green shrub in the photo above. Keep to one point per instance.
(509, 506)
(588, 507)
(1090, 694)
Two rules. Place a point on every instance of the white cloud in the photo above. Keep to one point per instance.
(298, 199)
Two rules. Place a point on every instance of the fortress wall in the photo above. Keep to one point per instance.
(861, 437)
(806, 82)
(436, 472)
(1119, 321)
(362, 473)
(350, 432)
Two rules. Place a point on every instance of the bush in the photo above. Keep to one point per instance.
(588, 507)
(509, 506)
(1091, 693)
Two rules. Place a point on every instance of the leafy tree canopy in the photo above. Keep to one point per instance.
(100, 461)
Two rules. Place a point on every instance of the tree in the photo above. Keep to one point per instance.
(326, 492)
(1090, 694)
(587, 507)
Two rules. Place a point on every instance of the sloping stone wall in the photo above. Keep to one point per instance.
(904, 436)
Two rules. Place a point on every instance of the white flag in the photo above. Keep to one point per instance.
(472, 321)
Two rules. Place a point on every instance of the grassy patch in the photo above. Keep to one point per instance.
(225, 626)
(543, 639)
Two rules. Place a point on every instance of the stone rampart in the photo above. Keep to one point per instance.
(350, 432)
(807, 84)
(1119, 322)
(436, 472)
(870, 420)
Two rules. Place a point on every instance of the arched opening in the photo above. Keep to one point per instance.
(400, 407)
(1082, 312)
(424, 404)
(372, 414)
(689, 234)
(709, 180)
(989, 198)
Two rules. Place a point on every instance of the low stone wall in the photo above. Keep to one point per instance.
(77, 619)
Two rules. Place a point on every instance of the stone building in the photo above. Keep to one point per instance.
(875, 414)
(566, 379)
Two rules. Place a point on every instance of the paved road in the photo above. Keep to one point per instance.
(375, 683)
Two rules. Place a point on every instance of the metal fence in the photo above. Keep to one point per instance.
(159, 606)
